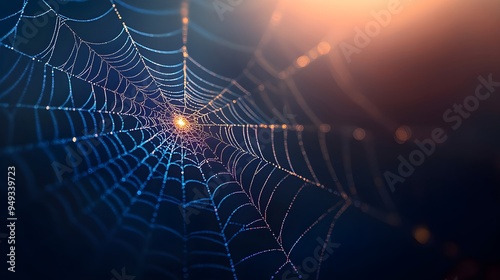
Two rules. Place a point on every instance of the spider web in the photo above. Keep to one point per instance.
(243, 186)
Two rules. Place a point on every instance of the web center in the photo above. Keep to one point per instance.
(181, 123)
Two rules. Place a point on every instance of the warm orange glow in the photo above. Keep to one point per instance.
(303, 61)
(402, 134)
(313, 54)
(185, 20)
(181, 123)
(324, 48)
(422, 235)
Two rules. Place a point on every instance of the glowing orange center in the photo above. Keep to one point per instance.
(180, 123)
